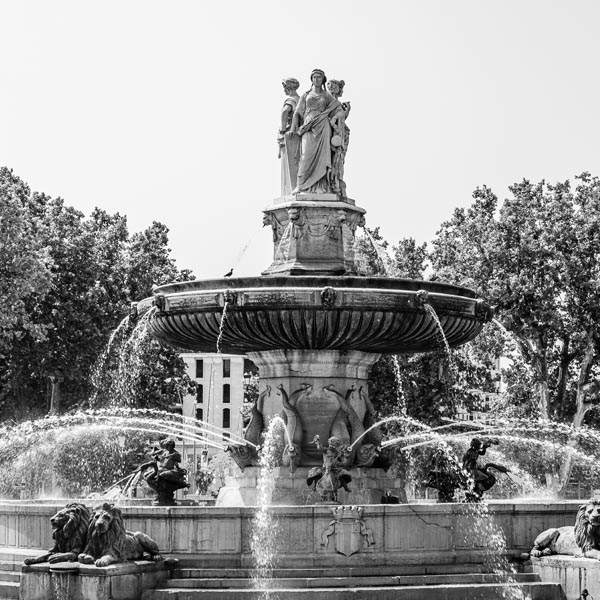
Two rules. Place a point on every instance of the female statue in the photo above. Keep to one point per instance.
(340, 139)
(312, 122)
(289, 150)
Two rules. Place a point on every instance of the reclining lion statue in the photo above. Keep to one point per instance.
(69, 531)
(108, 541)
(581, 539)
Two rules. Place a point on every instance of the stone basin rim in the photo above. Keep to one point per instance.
(369, 314)
(316, 281)
(217, 290)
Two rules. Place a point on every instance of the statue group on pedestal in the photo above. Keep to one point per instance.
(313, 137)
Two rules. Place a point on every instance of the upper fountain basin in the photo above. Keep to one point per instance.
(372, 314)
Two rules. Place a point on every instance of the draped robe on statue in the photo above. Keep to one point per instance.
(289, 151)
(315, 162)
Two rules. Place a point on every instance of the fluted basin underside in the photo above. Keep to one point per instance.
(380, 315)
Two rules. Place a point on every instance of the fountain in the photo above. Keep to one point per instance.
(307, 511)
(313, 326)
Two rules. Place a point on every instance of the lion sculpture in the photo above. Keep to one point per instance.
(582, 539)
(108, 541)
(69, 531)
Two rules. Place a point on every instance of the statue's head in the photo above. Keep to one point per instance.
(290, 84)
(334, 442)
(476, 443)
(336, 87)
(318, 77)
(168, 444)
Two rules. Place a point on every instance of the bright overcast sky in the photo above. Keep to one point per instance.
(169, 110)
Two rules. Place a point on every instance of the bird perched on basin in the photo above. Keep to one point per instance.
(229, 273)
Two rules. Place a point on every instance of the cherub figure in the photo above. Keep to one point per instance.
(163, 473)
(332, 476)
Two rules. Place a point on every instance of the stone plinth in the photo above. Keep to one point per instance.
(313, 234)
(574, 574)
(367, 487)
(125, 581)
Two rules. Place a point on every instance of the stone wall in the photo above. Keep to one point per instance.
(312, 535)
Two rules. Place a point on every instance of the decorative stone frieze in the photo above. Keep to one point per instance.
(313, 236)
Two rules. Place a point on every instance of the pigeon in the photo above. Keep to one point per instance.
(229, 274)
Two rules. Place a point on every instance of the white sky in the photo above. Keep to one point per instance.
(168, 110)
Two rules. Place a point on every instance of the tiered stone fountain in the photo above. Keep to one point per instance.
(314, 328)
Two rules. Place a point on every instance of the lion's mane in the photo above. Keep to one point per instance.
(70, 526)
(72, 535)
(110, 542)
(586, 536)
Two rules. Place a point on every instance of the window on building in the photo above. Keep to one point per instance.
(199, 393)
(226, 367)
(226, 393)
(199, 414)
(199, 368)
(226, 436)
(226, 418)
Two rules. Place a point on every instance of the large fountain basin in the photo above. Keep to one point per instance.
(378, 315)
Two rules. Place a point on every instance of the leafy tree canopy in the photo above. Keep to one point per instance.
(66, 282)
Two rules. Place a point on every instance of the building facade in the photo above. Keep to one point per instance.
(216, 407)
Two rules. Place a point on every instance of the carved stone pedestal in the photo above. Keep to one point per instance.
(124, 581)
(313, 234)
(318, 392)
(367, 487)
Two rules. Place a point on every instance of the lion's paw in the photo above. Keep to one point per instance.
(86, 559)
(104, 561)
(57, 558)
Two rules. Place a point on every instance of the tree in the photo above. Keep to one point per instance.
(429, 386)
(148, 263)
(143, 372)
(84, 302)
(25, 275)
(371, 255)
(536, 261)
(410, 260)
(67, 281)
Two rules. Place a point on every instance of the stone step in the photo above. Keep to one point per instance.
(481, 591)
(9, 590)
(18, 555)
(10, 565)
(14, 576)
(348, 582)
(441, 569)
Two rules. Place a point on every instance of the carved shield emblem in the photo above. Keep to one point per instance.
(349, 529)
